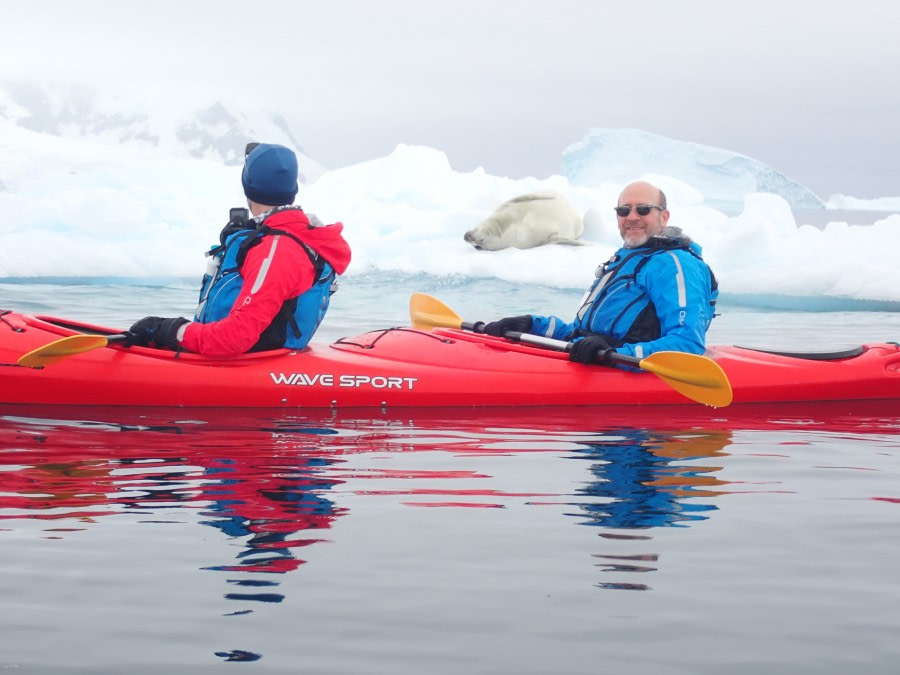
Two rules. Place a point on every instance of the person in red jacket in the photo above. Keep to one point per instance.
(279, 264)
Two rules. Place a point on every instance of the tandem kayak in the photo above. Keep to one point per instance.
(406, 367)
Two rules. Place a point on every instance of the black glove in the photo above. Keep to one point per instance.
(592, 349)
(519, 324)
(162, 333)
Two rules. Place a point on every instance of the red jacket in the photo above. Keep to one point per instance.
(274, 271)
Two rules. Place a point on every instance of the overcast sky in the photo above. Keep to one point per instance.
(809, 87)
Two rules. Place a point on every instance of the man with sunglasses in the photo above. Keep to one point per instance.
(655, 294)
(271, 276)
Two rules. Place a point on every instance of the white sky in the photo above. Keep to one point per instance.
(809, 87)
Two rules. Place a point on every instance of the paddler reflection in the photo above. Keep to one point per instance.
(275, 508)
(644, 479)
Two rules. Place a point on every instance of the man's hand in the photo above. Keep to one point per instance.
(592, 349)
(519, 324)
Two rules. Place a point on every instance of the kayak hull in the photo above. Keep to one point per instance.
(404, 367)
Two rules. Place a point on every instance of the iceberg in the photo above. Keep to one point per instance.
(723, 177)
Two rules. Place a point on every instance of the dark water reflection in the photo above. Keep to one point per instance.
(267, 483)
(274, 485)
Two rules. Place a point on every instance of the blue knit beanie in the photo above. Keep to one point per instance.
(270, 175)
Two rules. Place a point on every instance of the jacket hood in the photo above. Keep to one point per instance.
(674, 236)
(673, 232)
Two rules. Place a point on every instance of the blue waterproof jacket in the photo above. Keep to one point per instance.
(657, 297)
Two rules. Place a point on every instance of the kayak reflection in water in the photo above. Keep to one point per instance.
(262, 486)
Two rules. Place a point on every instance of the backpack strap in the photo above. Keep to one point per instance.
(317, 261)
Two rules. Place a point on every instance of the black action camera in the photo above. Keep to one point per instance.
(238, 216)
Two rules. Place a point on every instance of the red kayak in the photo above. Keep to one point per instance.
(409, 367)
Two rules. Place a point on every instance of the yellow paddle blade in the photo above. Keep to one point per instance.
(426, 312)
(697, 377)
(60, 349)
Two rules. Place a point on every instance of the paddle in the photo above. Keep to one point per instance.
(66, 347)
(696, 377)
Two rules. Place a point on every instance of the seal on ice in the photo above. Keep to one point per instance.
(529, 220)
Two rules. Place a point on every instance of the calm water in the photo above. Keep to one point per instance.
(754, 540)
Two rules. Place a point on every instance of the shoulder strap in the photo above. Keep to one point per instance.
(263, 231)
(317, 260)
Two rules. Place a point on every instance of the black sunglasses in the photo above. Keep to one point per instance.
(250, 148)
(642, 210)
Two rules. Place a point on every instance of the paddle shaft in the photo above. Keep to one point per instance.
(549, 343)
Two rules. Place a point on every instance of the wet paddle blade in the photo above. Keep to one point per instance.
(426, 312)
(61, 349)
(696, 377)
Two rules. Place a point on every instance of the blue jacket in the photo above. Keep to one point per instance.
(658, 297)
